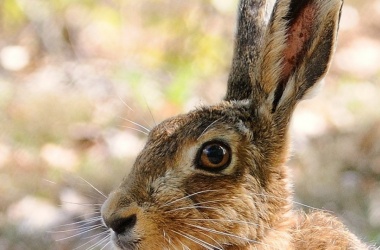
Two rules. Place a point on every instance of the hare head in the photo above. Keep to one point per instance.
(214, 178)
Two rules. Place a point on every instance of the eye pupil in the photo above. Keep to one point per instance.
(214, 153)
(214, 156)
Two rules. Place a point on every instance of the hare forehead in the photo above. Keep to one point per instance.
(193, 124)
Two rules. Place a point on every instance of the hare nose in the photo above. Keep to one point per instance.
(123, 225)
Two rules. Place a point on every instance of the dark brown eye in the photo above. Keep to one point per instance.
(214, 156)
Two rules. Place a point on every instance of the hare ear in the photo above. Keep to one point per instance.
(298, 46)
(250, 30)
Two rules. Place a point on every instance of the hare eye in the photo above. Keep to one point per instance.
(214, 156)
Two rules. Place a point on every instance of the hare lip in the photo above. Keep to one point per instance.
(125, 241)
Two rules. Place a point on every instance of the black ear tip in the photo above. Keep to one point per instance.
(250, 30)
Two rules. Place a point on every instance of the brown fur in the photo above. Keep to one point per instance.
(168, 202)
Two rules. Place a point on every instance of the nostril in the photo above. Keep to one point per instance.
(122, 225)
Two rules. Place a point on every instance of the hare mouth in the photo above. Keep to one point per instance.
(125, 241)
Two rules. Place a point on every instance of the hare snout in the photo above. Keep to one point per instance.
(122, 220)
(124, 233)
(122, 225)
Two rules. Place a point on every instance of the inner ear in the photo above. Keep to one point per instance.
(300, 19)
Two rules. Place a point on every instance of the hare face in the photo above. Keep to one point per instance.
(215, 177)
(202, 180)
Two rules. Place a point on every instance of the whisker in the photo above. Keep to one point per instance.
(84, 227)
(97, 235)
(83, 222)
(164, 234)
(91, 195)
(228, 220)
(83, 204)
(94, 214)
(150, 112)
(135, 123)
(190, 207)
(196, 205)
(221, 247)
(208, 127)
(97, 190)
(136, 129)
(184, 247)
(187, 196)
(169, 240)
(225, 234)
(92, 238)
(298, 203)
(265, 195)
(314, 208)
(99, 243)
(237, 222)
(215, 201)
(196, 240)
(125, 104)
(86, 194)
(50, 181)
(80, 233)
(109, 242)
(129, 107)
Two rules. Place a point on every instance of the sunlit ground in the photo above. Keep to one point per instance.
(76, 77)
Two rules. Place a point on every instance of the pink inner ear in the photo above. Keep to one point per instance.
(298, 33)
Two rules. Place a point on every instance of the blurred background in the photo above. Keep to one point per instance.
(76, 77)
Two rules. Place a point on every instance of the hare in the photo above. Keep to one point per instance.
(215, 178)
